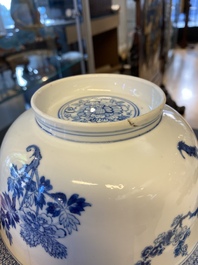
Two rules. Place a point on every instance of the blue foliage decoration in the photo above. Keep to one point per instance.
(178, 233)
(190, 150)
(175, 236)
(44, 217)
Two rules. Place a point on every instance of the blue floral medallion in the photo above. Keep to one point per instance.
(44, 216)
(97, 109)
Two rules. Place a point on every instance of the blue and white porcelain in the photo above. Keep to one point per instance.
(100, 171)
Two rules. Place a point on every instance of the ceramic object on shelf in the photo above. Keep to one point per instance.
(100, 171)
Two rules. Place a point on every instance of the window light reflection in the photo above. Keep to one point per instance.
(186, 93)
(6, 3)
(80, 182)
(109, 186)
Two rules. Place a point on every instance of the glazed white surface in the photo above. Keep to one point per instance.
(136, 187)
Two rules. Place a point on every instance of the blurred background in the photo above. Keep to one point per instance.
(45, 40)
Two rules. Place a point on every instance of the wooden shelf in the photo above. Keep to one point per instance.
(98, 26)
(104, 35)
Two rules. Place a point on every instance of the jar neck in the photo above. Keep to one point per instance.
(91, 114)
(132, 129)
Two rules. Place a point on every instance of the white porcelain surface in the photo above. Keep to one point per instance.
(101, 192)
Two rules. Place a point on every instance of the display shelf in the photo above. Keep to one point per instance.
(98, 26)
(34, 48)
(38, 72)
(104, 37)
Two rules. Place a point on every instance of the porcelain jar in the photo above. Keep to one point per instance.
(100, 171)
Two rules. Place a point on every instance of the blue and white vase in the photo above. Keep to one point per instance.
(100, 171)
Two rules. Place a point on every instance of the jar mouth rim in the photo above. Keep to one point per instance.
(52, 103)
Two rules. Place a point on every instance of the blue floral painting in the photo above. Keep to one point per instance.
(178, 233)
(176, 237)
(44, 216)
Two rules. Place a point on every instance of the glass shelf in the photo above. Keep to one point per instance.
(42, 68)
(33, 46)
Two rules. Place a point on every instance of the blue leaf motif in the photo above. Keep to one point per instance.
(14, 182)
(8, 214)
(59, 197)
(43, 188)
(60, 204)
(31, 186)
(14, 171)
(30, 200)
(195, 213)
(53, 209)
(69, 222)
(190, 150)
(8, 208)
(76, 205)
(45, 184)
(40, 200)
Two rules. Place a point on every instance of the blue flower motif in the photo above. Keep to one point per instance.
(39, 229)
(164, 238)
(26, 204)
(157, 250)
(180, 234)
(177, 220)
(146, 252)
(177, 237)
(178, 240)
(181, 249)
